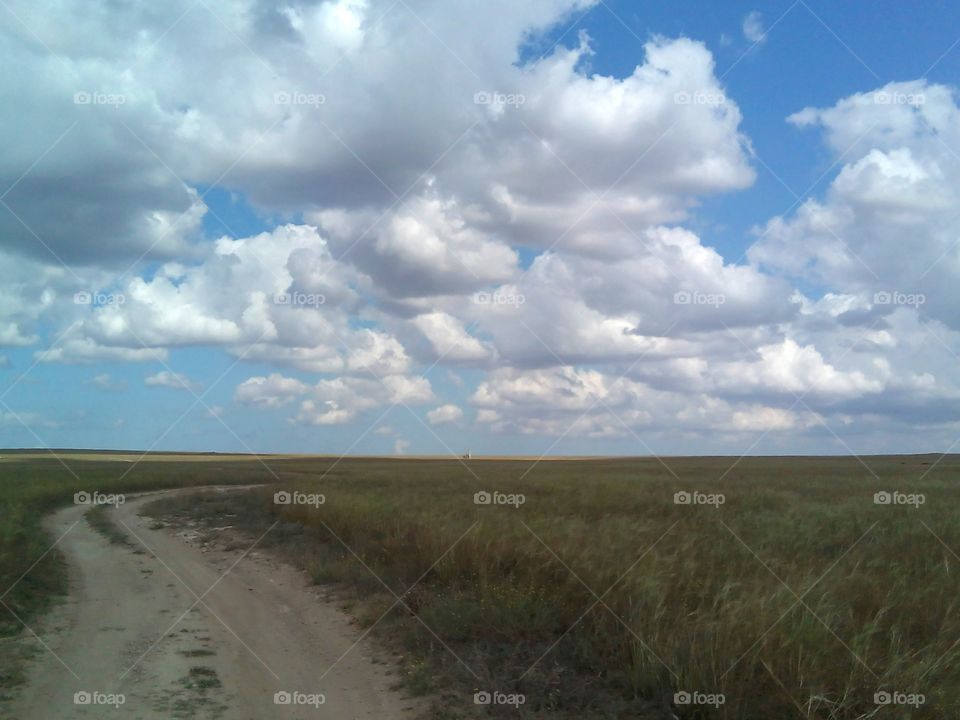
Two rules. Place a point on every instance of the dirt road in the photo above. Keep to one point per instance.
(161, 628)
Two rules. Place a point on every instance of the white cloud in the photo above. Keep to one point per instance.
(177, 381)
(424, 248)
(444, 414)
(333, 401)
(449, 339)
(753, 29)
(897, 180)
(73, 349)
(270, 392)
(787, 367)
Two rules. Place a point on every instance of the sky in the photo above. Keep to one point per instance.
(542, 227)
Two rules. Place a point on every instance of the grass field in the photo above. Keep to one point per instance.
(782, 589)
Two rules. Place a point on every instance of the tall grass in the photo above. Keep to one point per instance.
(798, 597)
(599, 596)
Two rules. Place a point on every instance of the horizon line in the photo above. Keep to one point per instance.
(451, 456)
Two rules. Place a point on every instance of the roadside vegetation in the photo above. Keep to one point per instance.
(782, 588)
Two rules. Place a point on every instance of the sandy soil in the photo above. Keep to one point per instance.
(134, 625)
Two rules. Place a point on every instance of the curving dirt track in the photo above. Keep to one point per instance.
(183, 632)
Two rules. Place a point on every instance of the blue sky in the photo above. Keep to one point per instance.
(803, 357)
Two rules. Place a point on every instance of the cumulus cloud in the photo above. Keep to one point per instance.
(277, 296)
(177, 381)
(333, 401)
(444, 414)
(449, 339)
(424, 248)
(896, 181)
(270, 392)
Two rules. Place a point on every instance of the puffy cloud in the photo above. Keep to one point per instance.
(270, 97)
(753, 27)
(73, 349)
(333, 401)
(177, 381)
(887, 228)
(271, 392)
(278, 296)
(571, 402)
(423, 248)
(449, 339)
(787, 367)
(340, 400)
(444, 414)
(653, 304)
(585, 158)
